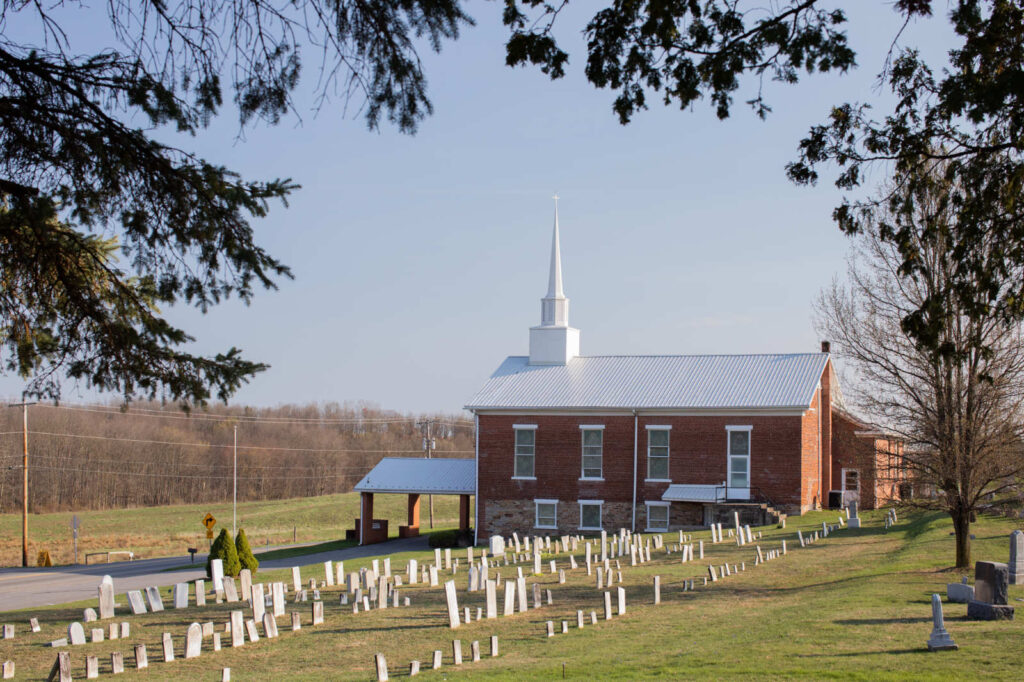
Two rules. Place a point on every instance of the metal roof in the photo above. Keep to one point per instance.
(424, 476)
(682, 492)
(655, 381)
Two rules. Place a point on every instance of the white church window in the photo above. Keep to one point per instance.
(547, 513)
(657, 453)
(593, 451)
(526, 442)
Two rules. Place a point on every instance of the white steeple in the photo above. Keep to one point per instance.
(554, 342)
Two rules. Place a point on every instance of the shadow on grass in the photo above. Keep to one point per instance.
(855, 654)
(881, 621)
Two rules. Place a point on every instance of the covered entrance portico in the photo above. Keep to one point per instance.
(412, 477)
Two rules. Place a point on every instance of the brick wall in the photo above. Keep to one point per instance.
(697, 454)
(811, 464)
(868, 454)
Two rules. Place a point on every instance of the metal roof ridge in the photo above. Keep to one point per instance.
(679, 355)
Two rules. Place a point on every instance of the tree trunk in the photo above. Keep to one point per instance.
(962, 528)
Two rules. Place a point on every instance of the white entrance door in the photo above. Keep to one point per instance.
(739, 462)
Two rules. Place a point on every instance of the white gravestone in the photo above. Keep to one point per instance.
(940, 639)
(217, 574)
(156, 601)
(181, 595)
(106, 597)
(1016, 558)
(136, 602)
(193, 640)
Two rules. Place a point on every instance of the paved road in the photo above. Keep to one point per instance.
(22, 588)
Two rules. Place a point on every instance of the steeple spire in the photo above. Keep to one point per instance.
(555, 276)
(554, 342)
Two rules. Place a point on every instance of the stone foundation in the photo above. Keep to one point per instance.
(504, 517)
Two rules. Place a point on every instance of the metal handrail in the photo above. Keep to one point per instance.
(761, 496)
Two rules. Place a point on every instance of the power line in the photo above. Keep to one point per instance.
(216, 445)
(249, 419)
(91, 460)
(185, 476)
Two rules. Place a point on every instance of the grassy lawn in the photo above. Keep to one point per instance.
(170, 531)
(853, 606)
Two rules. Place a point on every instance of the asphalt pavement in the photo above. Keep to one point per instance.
(22, 588)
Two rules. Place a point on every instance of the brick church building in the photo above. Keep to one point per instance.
(575, 443)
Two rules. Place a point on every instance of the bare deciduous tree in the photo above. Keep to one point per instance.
(957, 409)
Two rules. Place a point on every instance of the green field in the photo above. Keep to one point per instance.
(170, 531)
(853, 606)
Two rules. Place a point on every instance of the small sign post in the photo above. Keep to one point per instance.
(74, 534)
(209, 522)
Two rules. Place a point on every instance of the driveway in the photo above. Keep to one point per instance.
(22, 588)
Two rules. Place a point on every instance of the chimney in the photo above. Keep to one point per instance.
(826, 347)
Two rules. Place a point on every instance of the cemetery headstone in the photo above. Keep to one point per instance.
(168, 647)
(33, 623)
(76, 634)
(135, 601)
(1016, 558)
(318, 612)
(230, 591)
(453, 604)
(180, 595)
(217, 574)
(277, 602)
(959, 593)
(940, 639)
(106, 597)
(237, 629)
(141, 658)
(991, 588)
(193, 640)
(250, 629)
(89, 615)
(116, 662)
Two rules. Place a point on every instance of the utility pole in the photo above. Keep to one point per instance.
(24, 490)
(428, 447)
(234, 490)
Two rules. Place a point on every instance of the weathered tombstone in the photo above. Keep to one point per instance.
(510, 598)
(135, 601)
(800, 535)
(1016, 558)
(277, 601)
(8, 632)
(92, 667)
(269, 626)
(237, 631)
(225, 675)
(89, 615)
(329, 572)
(96, 635)
(711, 572)
(250, 629)
(217, 574)
(193, 640)
(76, 634)
(657, 589)
(457, 651)
(33, 623)
(245, 581)
(318, 612)
(960, 593)
(496, 544)
(168, 647)
(230, 591)
(491, 589)
(940, 639)
(622, 601)
(521, 594)
(381, 667)
(112, 631)
(61, 669)
(116, 662)
(8, 669)
(141, 658)
(991, 591)
(452, 602)
(57, 643)
(155, 599)
(549, 627)
(854, 518)
(494, 645)
(607, 605)
(180, 595)
(259, 605)
(536, 596)
(105, 592)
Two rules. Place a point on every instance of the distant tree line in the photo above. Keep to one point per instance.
(98, 457)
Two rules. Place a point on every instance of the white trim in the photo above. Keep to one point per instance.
(665, 505)
(584, 446)
(592, 427)
(524, 478)
(657, 480)
(544, 501)
(599, 480)
(842, 481)
(536, 515)
(729, 456)
(600, 512)
(658, 427)
(528, 427)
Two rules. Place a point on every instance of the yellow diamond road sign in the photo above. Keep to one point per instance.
(209, 521)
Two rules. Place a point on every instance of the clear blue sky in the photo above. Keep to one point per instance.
(420, 260)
